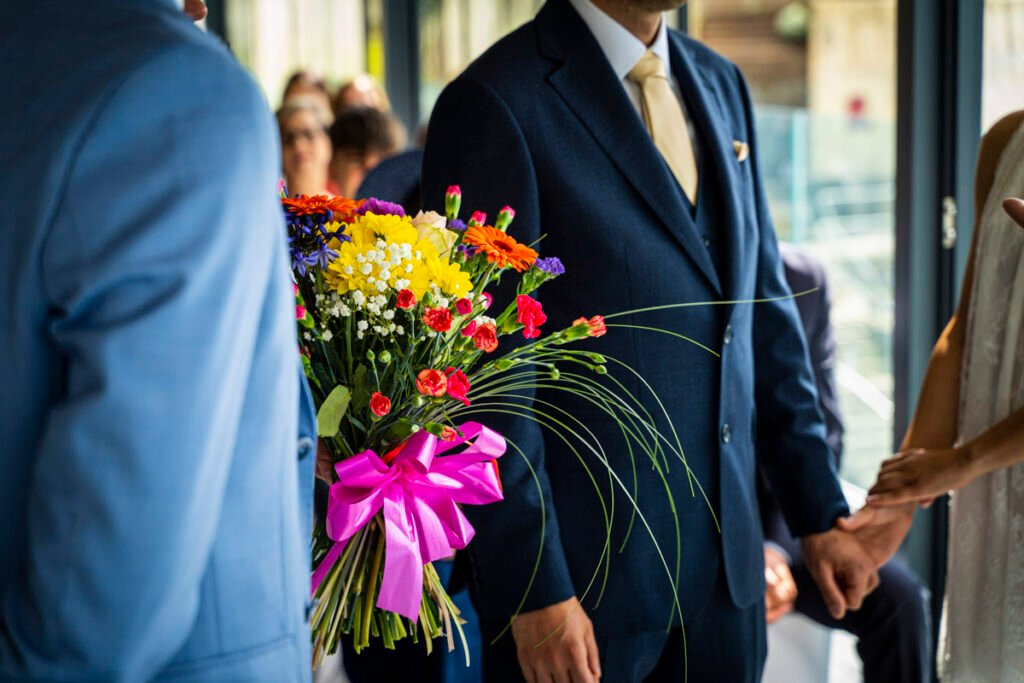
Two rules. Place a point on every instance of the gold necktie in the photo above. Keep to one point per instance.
(665, 121)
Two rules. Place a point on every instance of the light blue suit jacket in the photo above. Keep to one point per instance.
(155, 435)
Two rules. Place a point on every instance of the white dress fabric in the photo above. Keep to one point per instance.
(983, 616)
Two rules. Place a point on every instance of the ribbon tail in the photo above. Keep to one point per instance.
(401, 589)
(325, 564)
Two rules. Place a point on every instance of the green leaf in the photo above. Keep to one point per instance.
(328, 418)
(360, 388)
(400, 431)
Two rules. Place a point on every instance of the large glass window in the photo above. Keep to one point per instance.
(1004, 60)
(455, 32)
(823, 78)
(336, 40)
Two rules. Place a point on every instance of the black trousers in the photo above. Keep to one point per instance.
(893, 627)
(722, 643)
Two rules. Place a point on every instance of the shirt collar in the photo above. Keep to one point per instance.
(622, 49)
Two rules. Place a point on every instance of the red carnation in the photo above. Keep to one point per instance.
(531, 315)
(406, 299)
(458, 385)
(486, 338)
(596, 325)
(380, 404)
(432, 383)
(439, 319)
(469, 329)
(300, 312)
(449, 434)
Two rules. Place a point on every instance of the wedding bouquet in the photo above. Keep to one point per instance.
(400, 336)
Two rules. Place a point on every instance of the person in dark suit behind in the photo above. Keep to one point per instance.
(631, 147)
(892, 627)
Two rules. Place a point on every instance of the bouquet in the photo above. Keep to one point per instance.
(399, 336)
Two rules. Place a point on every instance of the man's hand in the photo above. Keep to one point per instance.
(842, 569)
(880, 530)
(324, 463)
(195, 9)
(556, 644)
(780, 595)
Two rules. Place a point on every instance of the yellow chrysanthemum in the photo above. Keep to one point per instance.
(387, 254)
(368, 228)
(446, 276)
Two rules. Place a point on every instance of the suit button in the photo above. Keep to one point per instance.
(727, 337)
(707, 243)
(305, 447)
(726, 433)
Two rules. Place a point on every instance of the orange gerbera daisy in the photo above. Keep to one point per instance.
(500, 248)
(321, 203)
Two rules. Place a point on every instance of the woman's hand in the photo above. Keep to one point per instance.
(921, 473)
(1015, 209)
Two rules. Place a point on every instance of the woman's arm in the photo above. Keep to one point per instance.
(935, 421)
(928, 442)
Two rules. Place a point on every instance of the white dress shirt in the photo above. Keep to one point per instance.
(623, 50)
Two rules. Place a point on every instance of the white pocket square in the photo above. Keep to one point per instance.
(742, 150)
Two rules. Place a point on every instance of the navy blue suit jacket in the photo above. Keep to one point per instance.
(540, 122)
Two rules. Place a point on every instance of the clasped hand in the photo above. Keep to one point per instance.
(844, 565)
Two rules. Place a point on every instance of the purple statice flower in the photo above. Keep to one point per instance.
(467, 250)
(379, 207)
(551, 265)
(456, 225)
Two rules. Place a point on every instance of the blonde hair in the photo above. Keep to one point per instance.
(294, 105)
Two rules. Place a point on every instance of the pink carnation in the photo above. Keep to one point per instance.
(464, 306)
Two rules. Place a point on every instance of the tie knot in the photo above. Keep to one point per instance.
(647, 66)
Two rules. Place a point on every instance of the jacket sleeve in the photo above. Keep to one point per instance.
(791, 446)
(157, 266)
(821, 342)
(474, 140)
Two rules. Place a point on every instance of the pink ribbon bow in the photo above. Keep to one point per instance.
(419, 493)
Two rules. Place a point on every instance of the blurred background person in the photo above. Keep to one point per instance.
(361, 91)
(361, 138)
(893, 627)
(305, 83)
(305, 146)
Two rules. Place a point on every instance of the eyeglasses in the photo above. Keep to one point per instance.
(290, 137)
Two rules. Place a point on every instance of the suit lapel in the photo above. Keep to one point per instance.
(720, 165)
(589, 87)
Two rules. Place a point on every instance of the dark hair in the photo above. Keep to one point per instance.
(365, 130)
